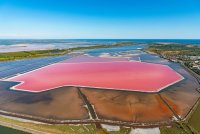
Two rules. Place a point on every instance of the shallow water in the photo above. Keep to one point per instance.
(13, 45)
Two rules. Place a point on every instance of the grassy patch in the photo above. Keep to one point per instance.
(31, 54)
(122, 131)
(61, 129)
(194, 121)
(177, 129)
(54, 129)
(5, 130)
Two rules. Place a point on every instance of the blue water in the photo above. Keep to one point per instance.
(91, 41)
(13, 45)
(113, 50)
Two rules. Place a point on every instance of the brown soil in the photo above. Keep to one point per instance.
(183, 95)
(128, 106)
(181, 100)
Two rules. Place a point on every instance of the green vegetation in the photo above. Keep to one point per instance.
(62, 129)
(188, 126)
(54, 129)
(172, 130)
(177, 128)
(30, 54)
(193, 122)
(196, 70)
(5, 130)
(174, 49)
(189, 55)
(54, 52)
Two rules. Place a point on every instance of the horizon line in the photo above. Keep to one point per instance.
(99, 38)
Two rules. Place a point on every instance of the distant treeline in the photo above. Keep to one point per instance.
(178, 52)
(175, 49)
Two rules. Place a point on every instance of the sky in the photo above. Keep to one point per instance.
(100, 19)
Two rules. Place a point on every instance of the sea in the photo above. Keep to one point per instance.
(13, 45)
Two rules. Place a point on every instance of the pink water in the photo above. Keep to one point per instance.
(121, 75)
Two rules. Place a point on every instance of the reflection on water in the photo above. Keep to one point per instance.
(114, 50)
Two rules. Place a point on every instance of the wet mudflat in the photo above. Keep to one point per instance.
(183, 95)
(60, 104)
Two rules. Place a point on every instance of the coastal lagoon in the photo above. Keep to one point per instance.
(13, 45)
(111, 106)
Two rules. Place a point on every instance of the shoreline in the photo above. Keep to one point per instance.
(11, 56)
